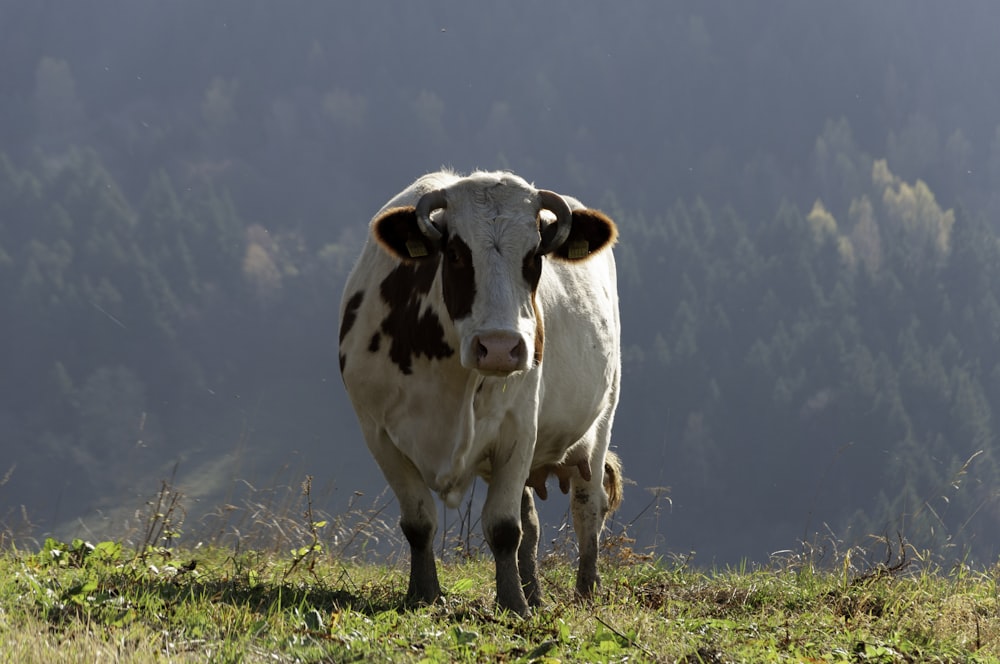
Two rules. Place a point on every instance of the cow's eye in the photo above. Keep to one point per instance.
(454, 257)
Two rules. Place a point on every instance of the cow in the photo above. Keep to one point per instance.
(480, 336)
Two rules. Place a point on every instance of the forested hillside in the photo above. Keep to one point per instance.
(809, 205)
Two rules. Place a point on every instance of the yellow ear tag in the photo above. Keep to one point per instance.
(416, 248)
(578, 249)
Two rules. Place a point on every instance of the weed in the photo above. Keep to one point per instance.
(163, 524)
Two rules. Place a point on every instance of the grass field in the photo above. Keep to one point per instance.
(308, 602)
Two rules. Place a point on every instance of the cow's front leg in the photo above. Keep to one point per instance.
(527, 552)
(418, 523)
(502, 528)
(418, 515)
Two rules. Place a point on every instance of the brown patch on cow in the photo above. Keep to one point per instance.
(411, 333)
(458, 278)
(539, 332)
(350, 314)
(592, 231)
(531, 270)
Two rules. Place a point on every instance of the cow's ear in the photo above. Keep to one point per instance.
(592, 231)
(397, 231)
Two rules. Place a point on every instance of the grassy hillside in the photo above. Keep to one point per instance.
(307, 602)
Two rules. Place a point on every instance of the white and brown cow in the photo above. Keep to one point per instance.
(479, 335)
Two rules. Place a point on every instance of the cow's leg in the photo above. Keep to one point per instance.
(502, 528)
(590, 506)
(418, 515)
(418, 522)
(527, 552)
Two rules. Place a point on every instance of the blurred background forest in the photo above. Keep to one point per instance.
(809, 203)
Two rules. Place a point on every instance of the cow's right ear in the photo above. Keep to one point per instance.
(399, 234)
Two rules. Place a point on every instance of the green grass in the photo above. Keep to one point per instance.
(80, 602)
(277, 588)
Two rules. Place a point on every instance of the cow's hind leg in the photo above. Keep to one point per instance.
(527, 552)
(418, 515)
(590, 505)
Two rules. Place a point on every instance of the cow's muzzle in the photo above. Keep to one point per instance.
(499, 352)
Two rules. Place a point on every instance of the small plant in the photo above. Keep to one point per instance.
(309, 552)
(163, 524)
(77, 553)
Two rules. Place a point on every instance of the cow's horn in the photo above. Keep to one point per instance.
(556, 233)
(432, 200)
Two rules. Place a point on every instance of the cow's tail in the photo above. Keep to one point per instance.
(613, 480)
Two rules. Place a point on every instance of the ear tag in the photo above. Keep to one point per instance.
(416, 248)
(578, 249)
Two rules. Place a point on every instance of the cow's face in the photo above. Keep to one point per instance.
(489, 237)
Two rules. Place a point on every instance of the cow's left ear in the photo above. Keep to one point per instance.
(397, 231)
(592, 231)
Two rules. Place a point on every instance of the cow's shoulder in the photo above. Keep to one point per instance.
(389, 311)
(411, 325)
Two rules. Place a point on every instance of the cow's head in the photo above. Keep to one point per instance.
(489, 234)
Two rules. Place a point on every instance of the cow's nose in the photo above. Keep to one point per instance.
(499, 352)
